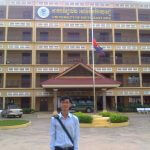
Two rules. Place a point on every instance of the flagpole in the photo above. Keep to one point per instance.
(94, 93)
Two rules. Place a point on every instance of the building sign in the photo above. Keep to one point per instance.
(72, 13)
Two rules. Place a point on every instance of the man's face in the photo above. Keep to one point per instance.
(65, 105)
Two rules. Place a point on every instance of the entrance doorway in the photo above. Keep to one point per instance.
(43, 104)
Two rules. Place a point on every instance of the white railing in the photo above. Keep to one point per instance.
(74, 25)
(147, 48)
(103, 69)
(130, 93)
(16, 46)
(48, 69)
(102, 25)
(147, 69)
(39, 47)
(19, 24)
(18, 94)
(129, 69)
(43, 24)
(74, 47)
(126, 26)
(18, 69)
(127, 47)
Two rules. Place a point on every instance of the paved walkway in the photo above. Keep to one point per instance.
(36, 137)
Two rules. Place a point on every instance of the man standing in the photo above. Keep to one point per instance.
(60, 139)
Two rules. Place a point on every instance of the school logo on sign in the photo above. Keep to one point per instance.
(43, 12)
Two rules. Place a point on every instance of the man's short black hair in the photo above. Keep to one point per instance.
(64, 98)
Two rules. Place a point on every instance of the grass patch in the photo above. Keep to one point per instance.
(12, 122)
(84, 118)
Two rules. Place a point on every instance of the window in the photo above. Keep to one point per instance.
(73, 36)
(104, 37)
(43, 36)
(134, 99)
(145, 37)
(133, 79)
(26, 36)
(27, 15)
(1, 35)
(118, 37)
(26, 58)
(2, 12)
(74, 57)
(43, 58)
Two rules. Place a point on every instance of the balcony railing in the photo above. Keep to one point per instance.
(146, 83)
(129, 83)
(145, 60)
(127, 60)
(75, 60)
(18, 84)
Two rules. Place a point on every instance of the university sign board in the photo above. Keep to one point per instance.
(72, 13)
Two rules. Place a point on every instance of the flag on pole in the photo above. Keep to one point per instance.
(99, 50)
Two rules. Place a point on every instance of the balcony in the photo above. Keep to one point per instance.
(2, 12)
(43, 77)
(1, 57)
(127, 60)
(120, 14)
(144, 15)
(125, 36)
(146, 80)
(2, 34)
(45, 57)
(128, 83)
(46, 34)
(128, 80)
(145, 60)
(74, 35)
(107, 59)
(19, 34)
(1, 80)
(101, 35)
(74, 57)
(18, 81)
(20, 12)
(19, 58)
(144, 35)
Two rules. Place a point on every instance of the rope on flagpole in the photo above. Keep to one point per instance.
(93, 62)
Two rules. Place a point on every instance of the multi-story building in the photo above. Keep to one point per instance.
(40, 39)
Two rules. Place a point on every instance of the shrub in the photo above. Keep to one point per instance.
(105, 114)
(28, 110)
(84, 118)
(118, 118)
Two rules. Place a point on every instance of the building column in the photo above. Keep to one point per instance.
(116, 102)
(104, 99)
(55, 100)
(142, 101)
(33, 102)
(4, 101)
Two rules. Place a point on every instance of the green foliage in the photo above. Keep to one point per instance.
(28, 110)
(84, 118)
(114, 117)
(118, 118)
(12, 122)
(105, 114)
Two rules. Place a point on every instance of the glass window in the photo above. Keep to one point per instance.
(43, 58)
(43, 36)
(2, 12)
(26, 36)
